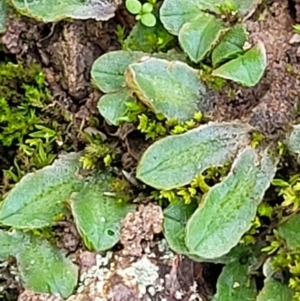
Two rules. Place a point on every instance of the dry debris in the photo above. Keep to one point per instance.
(18, 32)
(140, 225)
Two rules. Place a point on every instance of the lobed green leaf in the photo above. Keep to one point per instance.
(199, 36)
(97, 215)
(174, 161)
(113, 106)
(11, 243)
(39, 197)
(176, 216)
(235, 284)
(108, 70)
(289, 231)
(246, 69)
(170, 88)
(44, 269)
(231, 44)
(274, 290)
(230, 206)
(56, 10)
(175, 13)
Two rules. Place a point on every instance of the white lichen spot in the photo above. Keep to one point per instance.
(142, 272)
(178, 295)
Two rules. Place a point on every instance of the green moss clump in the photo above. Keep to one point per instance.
(23, 94)
(29, 129)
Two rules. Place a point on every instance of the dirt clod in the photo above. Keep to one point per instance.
(140, 225)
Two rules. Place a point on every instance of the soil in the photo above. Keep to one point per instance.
(66, 52)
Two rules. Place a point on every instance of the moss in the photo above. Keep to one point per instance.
(28, 128)
(23, 94)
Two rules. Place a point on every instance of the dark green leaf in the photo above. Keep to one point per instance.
(289, 231)
(235, 284)
(197, 37)
(231, 44)
(44, 269)
(98, 216)
(247, 69)
(275, 291)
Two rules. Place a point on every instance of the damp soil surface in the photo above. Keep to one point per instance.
(66, 52)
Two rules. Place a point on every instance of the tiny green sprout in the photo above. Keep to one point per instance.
(120, 32)
(107, 160)
(265, 210)
(290, 191)
(295, 268)
(257, 138)
(275, 243)
(229, 7)
(281, 148)
(143, 12)
(190, 124)
(199, 182)
(198, 116)
(178, 129)
(167, 194)
(297, 28)
(289, 68)
(187, 194)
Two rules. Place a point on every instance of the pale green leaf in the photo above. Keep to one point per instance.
(247, 7)
(231, 44)
(39, 197)
(290, 232)
(55, 10)
(171, 88)
(275, 291)
(197, 37)
(11, 243)
(175, 13)
(174, 161)
(112, 106)
(230, 206)
(235, 284)
(98, 216)
(4, 9)
(108, 70)
(247, 69)
(293, 142)
(44, 269)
